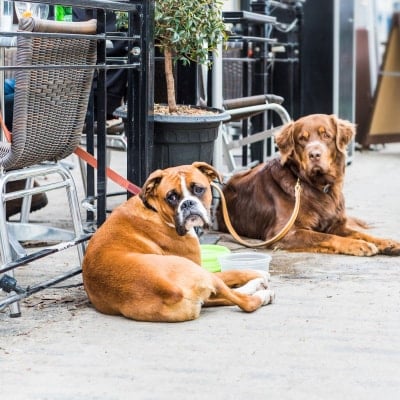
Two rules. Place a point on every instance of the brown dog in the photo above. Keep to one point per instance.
(144, 261)
(260, 201)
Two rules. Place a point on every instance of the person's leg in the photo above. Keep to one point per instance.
(8, 110)
(116, 90)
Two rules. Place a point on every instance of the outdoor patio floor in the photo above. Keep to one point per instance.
(333, 332)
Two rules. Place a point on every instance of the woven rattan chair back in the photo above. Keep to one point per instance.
(50, 103)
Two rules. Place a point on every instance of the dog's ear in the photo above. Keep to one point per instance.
(150, 185)
(285, 142)
(208, 171)
(345, 130)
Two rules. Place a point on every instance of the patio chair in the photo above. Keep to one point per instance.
(51, 99)
(244, 108)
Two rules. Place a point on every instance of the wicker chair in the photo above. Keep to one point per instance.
(49, 112)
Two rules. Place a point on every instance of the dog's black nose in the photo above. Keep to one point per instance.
(187, 204)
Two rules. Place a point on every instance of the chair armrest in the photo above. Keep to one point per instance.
(249, 101)
(48, 26)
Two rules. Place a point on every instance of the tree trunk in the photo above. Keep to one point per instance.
(169, 76)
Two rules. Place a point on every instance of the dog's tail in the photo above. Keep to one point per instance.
(355, 223)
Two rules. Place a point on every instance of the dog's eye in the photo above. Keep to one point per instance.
(198, 190)
(302, 139)
(172, 198)
(326, 135)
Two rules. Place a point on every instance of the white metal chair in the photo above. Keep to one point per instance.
(243, 108)
(56, 63)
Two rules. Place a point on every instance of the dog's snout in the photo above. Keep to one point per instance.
(314, 151)
(314, 154)
(187, 204)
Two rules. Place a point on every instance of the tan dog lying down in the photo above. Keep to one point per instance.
(144, 261)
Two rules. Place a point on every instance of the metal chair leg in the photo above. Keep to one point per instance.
(12, 233)
(5, 248)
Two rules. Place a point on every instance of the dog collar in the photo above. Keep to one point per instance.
(326, 189)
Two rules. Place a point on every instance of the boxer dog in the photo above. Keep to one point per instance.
(144, 261)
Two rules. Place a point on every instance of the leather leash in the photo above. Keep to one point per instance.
(114, 176)
(130, 187)
(278, 236)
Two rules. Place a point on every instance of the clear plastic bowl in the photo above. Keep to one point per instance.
(245, 260)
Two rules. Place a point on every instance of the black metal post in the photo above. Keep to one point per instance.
(260, 74)
(90, 186)
(141, 97)
(299, 92)
(101, 121)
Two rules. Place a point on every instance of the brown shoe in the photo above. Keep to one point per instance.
(13, 207)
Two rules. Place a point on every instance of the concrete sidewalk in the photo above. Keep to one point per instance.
(333, 332)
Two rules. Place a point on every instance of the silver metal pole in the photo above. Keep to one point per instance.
(217, 103)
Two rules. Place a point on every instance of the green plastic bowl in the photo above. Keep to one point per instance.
(210, 254)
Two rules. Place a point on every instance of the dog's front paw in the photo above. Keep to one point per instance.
(267, 296)
(265, 276)
(253, 286)
(389, 248)
(361, 248)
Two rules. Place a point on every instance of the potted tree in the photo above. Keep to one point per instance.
(186, 31)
